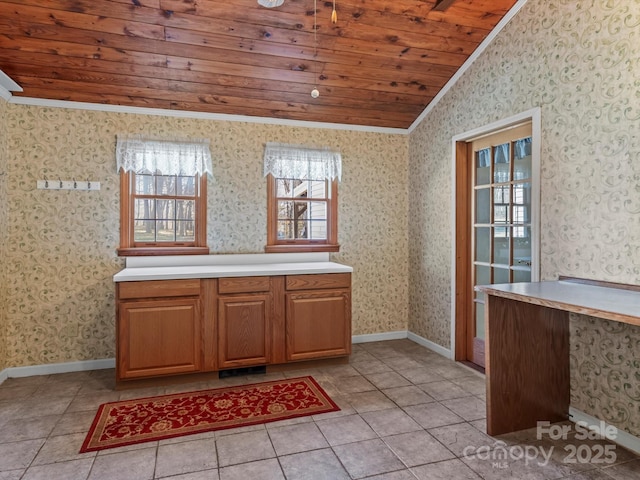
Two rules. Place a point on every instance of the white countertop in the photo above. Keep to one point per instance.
(615, 304)
(217, 266)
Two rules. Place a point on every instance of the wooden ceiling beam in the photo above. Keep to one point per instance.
(442, 5)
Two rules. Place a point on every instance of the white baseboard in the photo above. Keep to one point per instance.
(445, 352)
(622, 438)
(18, 372)
(379, 337)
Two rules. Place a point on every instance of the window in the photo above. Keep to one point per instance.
(302, 198)
(163, 188)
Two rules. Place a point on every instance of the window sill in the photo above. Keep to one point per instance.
(291, 248)
(151, 251)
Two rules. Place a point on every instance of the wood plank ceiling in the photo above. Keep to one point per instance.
(379, 65)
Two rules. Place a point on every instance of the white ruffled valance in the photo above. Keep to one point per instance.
(298, 161)
(139, 154)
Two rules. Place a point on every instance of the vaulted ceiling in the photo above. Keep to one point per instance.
(379, 65)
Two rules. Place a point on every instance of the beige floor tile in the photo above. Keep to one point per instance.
(11, 475)
(128, 448)
(462, 436)
(444, 390)
(91, 401)
(244, 447)
(348, 385)
(314, 465)
(593, 475)
(371, 366)
(233, 431)
(297, 438)
(417, 448)
(73, 470)
(74, 422)
(8, 411)
(61, 389)
(340, 371)
(398, 475)
(61, 449)
(469, 408)
(443, 398)
(475, 384)
(16, 392)
(403, 363)
(405, 396)
(137, 393)
(448, 469)
(370, 401)
(19, 455)
(136, 464)
(390, 422)
(431, 415)
(187, 438)
(202, 475)
(387, 380)
(370, 457)
(24, 381)
(494, 466)
(42, 405)
(262, 469)
(186, 457)
(420, 374)
(348, 429)
(28, 428)
(451, 370)
(343, 403)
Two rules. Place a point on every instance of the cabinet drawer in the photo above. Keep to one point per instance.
(312, 282)
(243, 284)
(159, 288)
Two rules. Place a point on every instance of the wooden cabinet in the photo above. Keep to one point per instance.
(160, 335)
(170, 327)
(318, 316)
(244, 322)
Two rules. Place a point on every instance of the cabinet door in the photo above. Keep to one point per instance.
(318, 324)
(244, 330)
(159, 337)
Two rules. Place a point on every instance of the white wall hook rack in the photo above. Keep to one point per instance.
(47, 184)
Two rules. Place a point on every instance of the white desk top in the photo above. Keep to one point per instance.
(218, 266)
(615, 304)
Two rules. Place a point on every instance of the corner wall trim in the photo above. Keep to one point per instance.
(379, 337)
(30, 371)
(467, 64)
(624, 439)
(445, 352)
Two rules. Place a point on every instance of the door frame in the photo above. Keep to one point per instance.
(460, 178)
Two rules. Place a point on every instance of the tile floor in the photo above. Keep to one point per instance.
(407, 413)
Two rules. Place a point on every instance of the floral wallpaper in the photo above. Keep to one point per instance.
(579, 62)
(3, 232)
(60, 255)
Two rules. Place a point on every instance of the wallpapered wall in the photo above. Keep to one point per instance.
(580, 62)
(3, 232)
(61, 245)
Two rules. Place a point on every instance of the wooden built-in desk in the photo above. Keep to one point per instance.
(527, 345)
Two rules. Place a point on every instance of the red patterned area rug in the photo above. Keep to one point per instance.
(155, 418)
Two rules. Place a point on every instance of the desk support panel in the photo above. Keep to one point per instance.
(527, 364)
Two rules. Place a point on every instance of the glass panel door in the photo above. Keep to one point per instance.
(501, 218)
